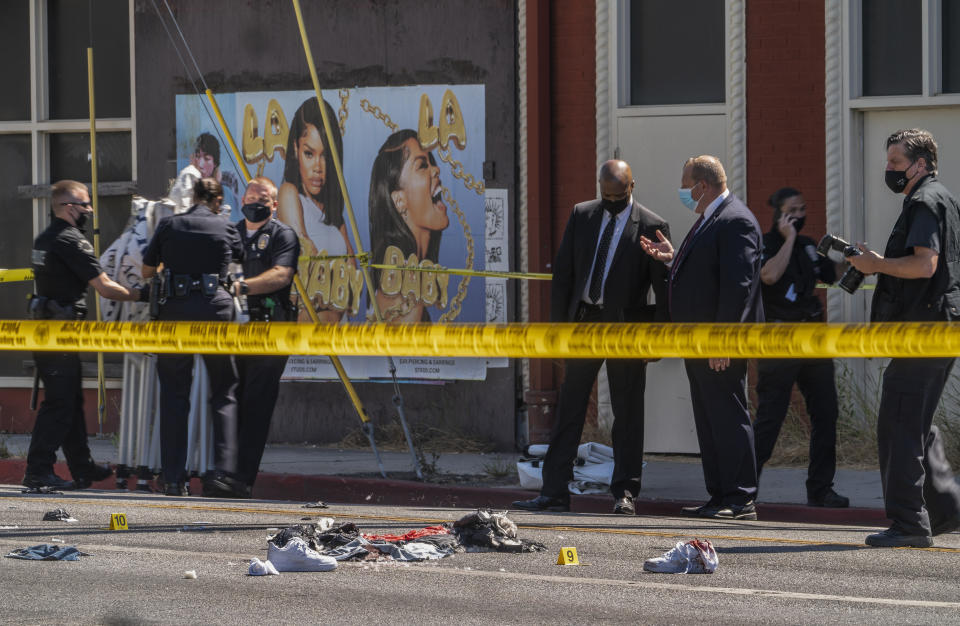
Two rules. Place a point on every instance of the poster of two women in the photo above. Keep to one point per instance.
(412, 160)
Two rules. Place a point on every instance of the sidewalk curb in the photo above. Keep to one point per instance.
(352, 490)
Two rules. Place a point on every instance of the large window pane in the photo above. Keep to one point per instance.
(677, 52)
(69, 31)
(17, 240)
(950, 28)
(15, 35)
(892, 47)
(70, 156)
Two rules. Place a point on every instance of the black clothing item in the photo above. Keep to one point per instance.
(257, 395)
(919, 491)
(196, 242)
(64, 264)
(273, 244)
(724, 431)
(815, 378)
(627, 379)
(918, 487)
(793, 297)
(60, 421)
(930, 218)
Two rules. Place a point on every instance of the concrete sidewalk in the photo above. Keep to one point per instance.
(305, 472)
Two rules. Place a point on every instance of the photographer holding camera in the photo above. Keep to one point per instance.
(790, 271)
(919, 280)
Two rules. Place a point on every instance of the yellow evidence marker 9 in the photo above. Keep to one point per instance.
(568, 556)
(118, 521)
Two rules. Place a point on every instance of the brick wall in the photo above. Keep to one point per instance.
(574, 118)
(785, 106)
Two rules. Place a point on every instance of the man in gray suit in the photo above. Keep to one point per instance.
(602, 274)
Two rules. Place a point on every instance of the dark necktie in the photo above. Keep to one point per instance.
(596, 279)
(678, 256)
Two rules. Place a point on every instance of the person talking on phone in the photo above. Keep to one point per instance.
(790, 272)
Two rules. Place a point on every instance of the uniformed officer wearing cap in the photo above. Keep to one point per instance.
(64, 265)
(196, 248)
(270, 253)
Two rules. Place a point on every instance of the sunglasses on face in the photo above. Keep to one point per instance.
(81, 205)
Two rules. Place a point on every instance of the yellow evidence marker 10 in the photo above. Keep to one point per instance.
(118, 521)
(568, 556)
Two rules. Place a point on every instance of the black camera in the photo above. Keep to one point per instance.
(852, 278)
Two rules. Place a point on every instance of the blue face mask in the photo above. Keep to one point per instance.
(686, 197)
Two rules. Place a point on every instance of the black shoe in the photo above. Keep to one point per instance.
(543, 503)
(624, 506)
(220, 485)
(94, 473)
(893, 538)
(50, 479)
(946, 526)
(831, 500)
(731, 511)
(177, 489)
(695, 511)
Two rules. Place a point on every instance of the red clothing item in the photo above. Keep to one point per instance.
(410, 536)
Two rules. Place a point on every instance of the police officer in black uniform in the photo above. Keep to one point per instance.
(196, 248)
(270, 254)
(918, 280)
(791, 269)
(64, 265)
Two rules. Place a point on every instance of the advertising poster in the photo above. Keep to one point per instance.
(412, 162)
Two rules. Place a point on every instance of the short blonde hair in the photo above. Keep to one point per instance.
(263, 181)
(63, 188)
(708, 169)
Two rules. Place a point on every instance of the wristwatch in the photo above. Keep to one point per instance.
(244, 288)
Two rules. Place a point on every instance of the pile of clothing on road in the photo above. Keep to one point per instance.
(319, 547)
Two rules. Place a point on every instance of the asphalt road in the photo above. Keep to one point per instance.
(768, 573)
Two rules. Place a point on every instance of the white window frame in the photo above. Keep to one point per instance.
(613, 78)
(40, 127)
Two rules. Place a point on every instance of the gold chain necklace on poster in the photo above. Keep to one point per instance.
(343, 113)
(471, 183)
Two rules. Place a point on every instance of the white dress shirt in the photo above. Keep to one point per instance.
(622, 218)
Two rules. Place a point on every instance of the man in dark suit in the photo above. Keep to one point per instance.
(715, 278)
(602, 274)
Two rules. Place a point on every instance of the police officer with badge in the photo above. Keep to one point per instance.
(789, 274)
(196, 248)
(64, 265)
(918, 281)
(270, 254)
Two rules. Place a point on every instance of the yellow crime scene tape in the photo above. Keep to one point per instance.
(907, 339)
(15, 276)
(19, 275)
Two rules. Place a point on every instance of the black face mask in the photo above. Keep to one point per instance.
(896, 179)
(80, 221)
(799, 222)
(615, 206)
(255, 212)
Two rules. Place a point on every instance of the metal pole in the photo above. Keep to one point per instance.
(94, 196)
(338, 166)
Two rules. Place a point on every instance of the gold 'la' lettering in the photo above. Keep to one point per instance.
(276, 132)
(449, 128)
